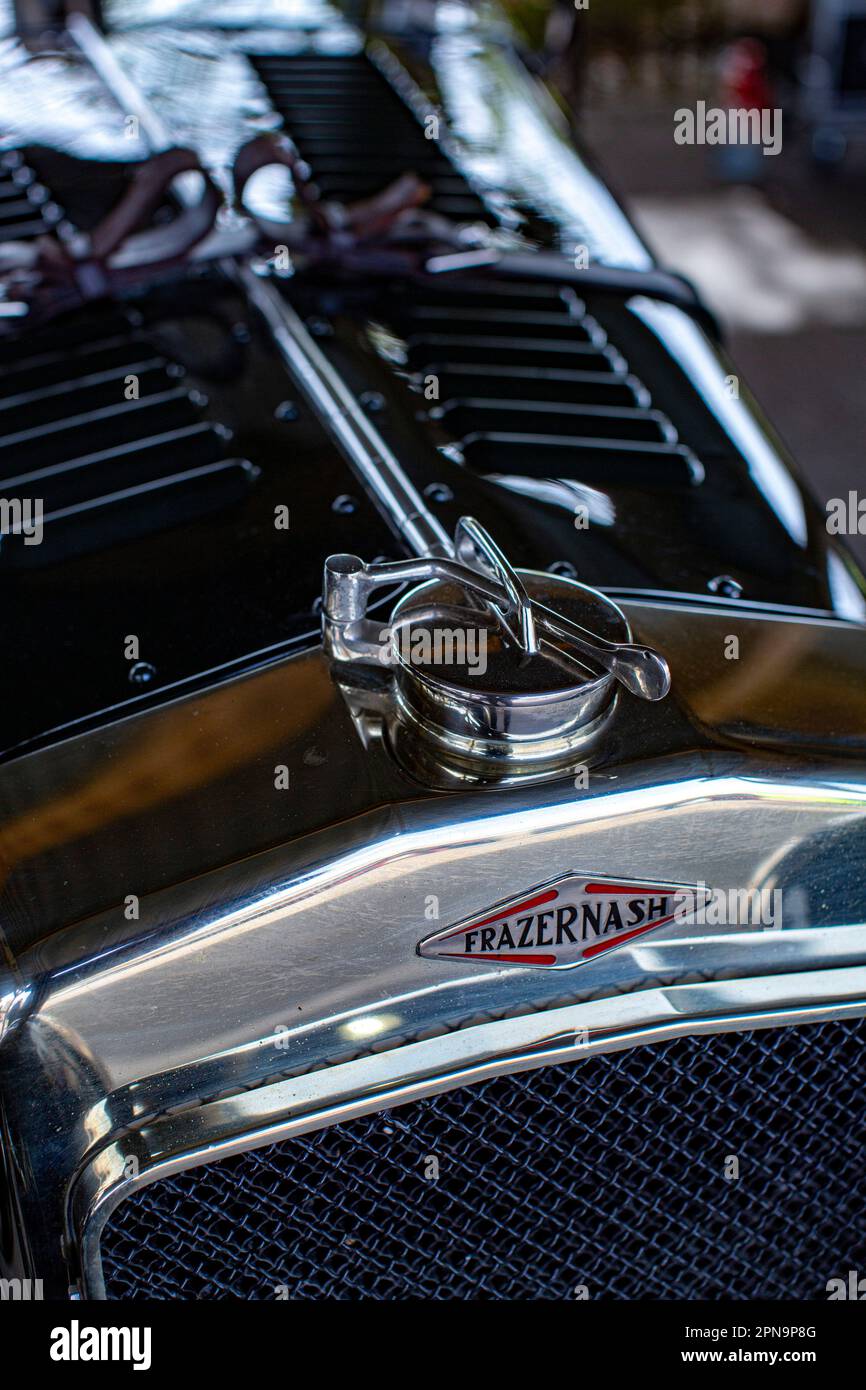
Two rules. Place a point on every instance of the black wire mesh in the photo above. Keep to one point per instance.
(609, 1174)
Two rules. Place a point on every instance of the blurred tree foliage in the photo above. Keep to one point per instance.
(627, 25)
(530, 18)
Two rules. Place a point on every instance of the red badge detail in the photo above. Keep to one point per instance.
(565, 922)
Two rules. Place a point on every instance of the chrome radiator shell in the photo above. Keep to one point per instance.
(283, 992)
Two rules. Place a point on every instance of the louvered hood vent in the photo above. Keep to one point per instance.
(99, 426)
(159, 478)
(527, 383)
(357, 134)
(26, 207)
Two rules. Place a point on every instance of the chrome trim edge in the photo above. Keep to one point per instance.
(334, 1095)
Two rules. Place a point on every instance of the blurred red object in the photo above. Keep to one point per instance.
(745, 80)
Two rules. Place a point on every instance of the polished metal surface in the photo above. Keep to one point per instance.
(288, 982)
(565, 922)
(523, 709)
(333, 1095)
(211, 911)
(640, 670)
(102, 58)
(471, 672)
(478, 549)
(378, 469)
(376, 465)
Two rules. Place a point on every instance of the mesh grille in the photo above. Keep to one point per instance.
(608, 1174)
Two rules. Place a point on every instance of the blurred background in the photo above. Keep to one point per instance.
(776, 244)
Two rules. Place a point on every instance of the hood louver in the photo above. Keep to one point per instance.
(97, 426)
(528, 383)
(357, 134)
(27, 209)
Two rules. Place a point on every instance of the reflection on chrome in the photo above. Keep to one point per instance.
(691, 350)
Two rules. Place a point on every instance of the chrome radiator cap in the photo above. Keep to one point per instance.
(490, 667)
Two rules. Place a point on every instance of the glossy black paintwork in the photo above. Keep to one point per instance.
(203, 578)
(667, 534)
(211, 591)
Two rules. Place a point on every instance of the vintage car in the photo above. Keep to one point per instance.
(433, 762)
